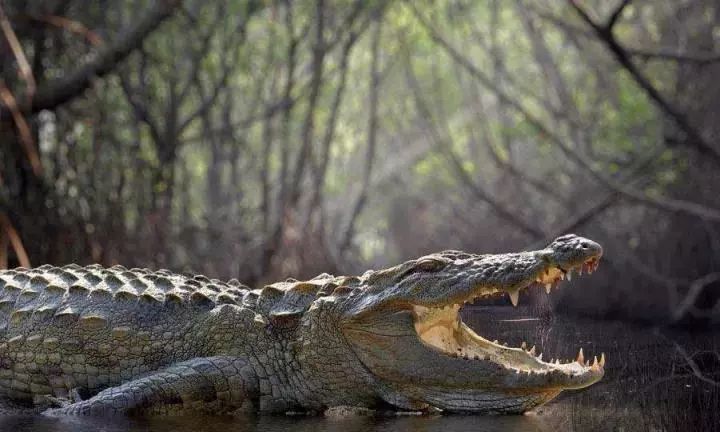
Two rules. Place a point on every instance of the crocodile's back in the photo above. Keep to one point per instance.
(92, 327)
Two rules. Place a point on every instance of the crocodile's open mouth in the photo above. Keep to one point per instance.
(442, 329)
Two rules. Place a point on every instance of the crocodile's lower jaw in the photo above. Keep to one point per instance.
(442, 329)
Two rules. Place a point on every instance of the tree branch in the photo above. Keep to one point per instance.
(17, 244)
(701, 59)
(18, 52)
(617, 13)
(23, 129)
(374, 101)
(458, 168)
(197, 55)
(64, 23)
(692, 364)
(64, 89)
(319, 50)
(320, 171)
(666, 204)
(696, 288)
(137, 98)
(606, 36)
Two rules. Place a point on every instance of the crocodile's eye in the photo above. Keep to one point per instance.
(429, 265)
(425, 265)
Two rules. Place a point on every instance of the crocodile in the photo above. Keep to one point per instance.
(97, 341)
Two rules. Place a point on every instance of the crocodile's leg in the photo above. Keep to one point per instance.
(212, 384)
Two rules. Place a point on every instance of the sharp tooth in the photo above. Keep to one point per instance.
(602, 360)
(569, 275)
(580, 357)
(548, 287)
(539, 357)
(514, 296)
(562, 276)
(495, 341)
(524, 345)
(580, 271)
(557, 361)
(595, 360)
(532, 350)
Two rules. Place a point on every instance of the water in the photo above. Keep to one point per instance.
(651, 383)
(429, 424)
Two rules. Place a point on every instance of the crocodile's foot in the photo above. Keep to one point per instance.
(75, 395)
(46, 402)
(212, 385)
(52, 405)
(343, 411)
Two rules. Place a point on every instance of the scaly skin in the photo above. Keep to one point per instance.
(89, 340)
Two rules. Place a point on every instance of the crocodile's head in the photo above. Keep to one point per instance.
(405, 328)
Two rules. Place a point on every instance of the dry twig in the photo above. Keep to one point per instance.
(6, 228)
(19, 53)
(71, 26)
(26, 140)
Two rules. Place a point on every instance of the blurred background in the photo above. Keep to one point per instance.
(268, 139)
